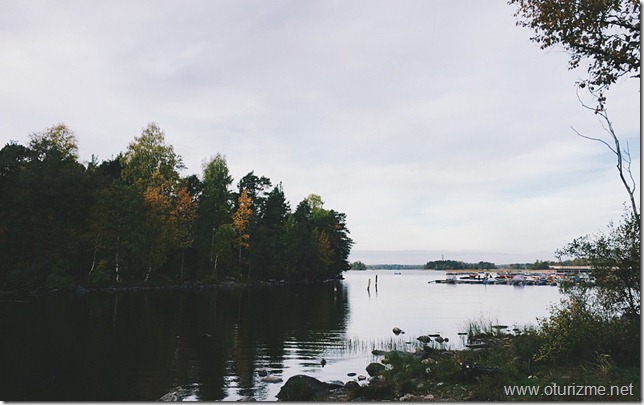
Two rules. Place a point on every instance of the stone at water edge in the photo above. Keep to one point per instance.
(302, 388)
(408, 397)
(351, 385)
(373, 369)
(397, 331)
(175, 396)
(334, 384)
(272, 379)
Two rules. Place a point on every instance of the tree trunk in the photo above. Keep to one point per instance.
(116, 259)
(622, 155)
(212, 243)
(89, 275)
(215, 268)
(147, 276)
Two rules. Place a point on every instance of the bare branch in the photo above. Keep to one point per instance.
(594, 139)
(622, 155)
(628, 160)
(586, 106)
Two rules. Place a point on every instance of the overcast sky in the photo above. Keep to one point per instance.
(436, 126)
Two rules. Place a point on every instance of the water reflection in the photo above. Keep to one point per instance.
(209, 344)
(139, 346)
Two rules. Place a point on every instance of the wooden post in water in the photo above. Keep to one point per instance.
(369, 285)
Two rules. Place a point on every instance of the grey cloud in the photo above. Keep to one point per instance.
(423, 120)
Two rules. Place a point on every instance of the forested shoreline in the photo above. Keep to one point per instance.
(134, 220)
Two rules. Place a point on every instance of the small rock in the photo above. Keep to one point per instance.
(428, 397)
(378, 352)
(376, 379)
(302, 388)
(338, 397)
(175, 396)
(440, 339)
(374, 369)
(424, 339)
(351, 385)
(335, 384)
(407, 397)
(351, 374)
(362, 377)
(246, 399)
(397, 331)
(323, 362)
(262, 372)
(272, 379)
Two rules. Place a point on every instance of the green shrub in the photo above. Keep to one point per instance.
(571, 334)
(525, 347)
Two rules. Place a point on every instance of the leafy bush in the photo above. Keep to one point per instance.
(571, 334)
(601, 316)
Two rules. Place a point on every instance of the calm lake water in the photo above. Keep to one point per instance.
(210, 343)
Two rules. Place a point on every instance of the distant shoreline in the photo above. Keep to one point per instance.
(462, 270)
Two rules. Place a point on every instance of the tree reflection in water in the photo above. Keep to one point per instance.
(142, 345)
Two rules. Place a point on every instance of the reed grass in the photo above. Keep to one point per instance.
(357, 345)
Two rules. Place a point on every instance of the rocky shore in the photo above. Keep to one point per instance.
(382, 382)
(477, 373)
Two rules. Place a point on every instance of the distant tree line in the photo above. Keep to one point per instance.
(394, 266)
(358, 266)
(545, 264)
(134, 219)
(458, 265)
(361, 266)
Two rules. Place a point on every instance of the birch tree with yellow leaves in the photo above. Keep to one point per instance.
(241, 218)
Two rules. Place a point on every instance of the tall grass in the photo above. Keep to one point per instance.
(357, 345)
(482, 327)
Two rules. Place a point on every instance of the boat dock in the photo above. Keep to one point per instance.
(517, 278)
